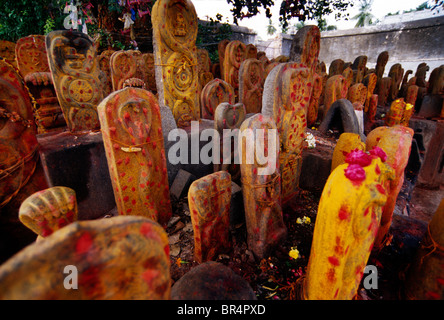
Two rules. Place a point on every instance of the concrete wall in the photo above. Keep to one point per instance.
(408, 43)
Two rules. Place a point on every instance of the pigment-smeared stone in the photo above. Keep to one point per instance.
(288, 96)
(370, 82)
(151, 72)
(118, 258)
(214, 93)
(175, 55)
(32, 62)
(261, 186)
(204, 68)
(209, 202)
(335, 89)
(230, 117)
(235, 54)
(212, 281)
(251, 51)
(105, 69)
(358, 68)
(313, 108)
(75, 70)
(425, 275)
(251, 85)
(305, 47)
(384, 90)
(222, 45)
(381, 62)
(347, 142)
(133, 139)
(396, 73)
(49, 210)
(7, 51)
(18, 143)
(128, 69)
(336, 67)
(347, 221)
(396, 142)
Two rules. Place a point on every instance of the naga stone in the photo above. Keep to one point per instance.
(288, 96)
(75, 70)
(347, 222)
(261, 185)
(384, 90)
(32, 62)
(18, 142)
(336, 67)
(222, 45)
(348, 75)
(381, 62)
(121, 258)
(425, 275)
(251, 51)
(235, 54)
(228, 117)
(395, 114)
(396, 73)
(128, 69)
(347, 143)
(209, 202)
(204, 68)
(133, 139)
(151, 72)
(214, 93)
(335, 89)
(175, 55)
(372, 108)
(305, 47)
(357, 93)
(358, 68)
(49, 210)
(7, 51)
(313, 108)
(104, 64)
(251, 85)
(370, 82)
(396, 142)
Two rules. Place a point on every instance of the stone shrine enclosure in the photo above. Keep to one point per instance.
(103, 170)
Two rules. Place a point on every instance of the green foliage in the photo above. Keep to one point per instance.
(301, 9)
(210, 33)
(271, 30)
(364, 16)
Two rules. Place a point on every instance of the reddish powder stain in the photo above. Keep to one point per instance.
(149, 276)
(84, 243)
(333, 260)
(343, 213)
(433, 295)
(331, 275)
(336, 293)
(380, 188)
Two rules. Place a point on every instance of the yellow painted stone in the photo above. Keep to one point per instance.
(346, 143)
(348, 218)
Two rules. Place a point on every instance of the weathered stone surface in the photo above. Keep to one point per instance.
(7, 51)
(336, 67)
(261, 188)
(214, 93)
(204, 68)
(175, 55)
(251, 85)
(128, 69)
(335, 89)
(209, 202)
(235, 54)
(396, 142)
(18, 143)
(305, 47)
(49, 210)
(384, 86)
(32, 62)
(181, 184)
(347, 142)
(75, 70)
(116, 258)
(424, 278)
(230, 117)
(151, 72)
(396, 73)
(105, 75)
(358, 68)
(369, 82)
(341, 115)
(347, 221)
(221, 51)
(79, 162)
(212, 281)
(313, 108)
(133, 139)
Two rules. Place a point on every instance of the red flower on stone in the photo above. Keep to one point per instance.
(355, 172)
(358, 157)
(378, 152)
